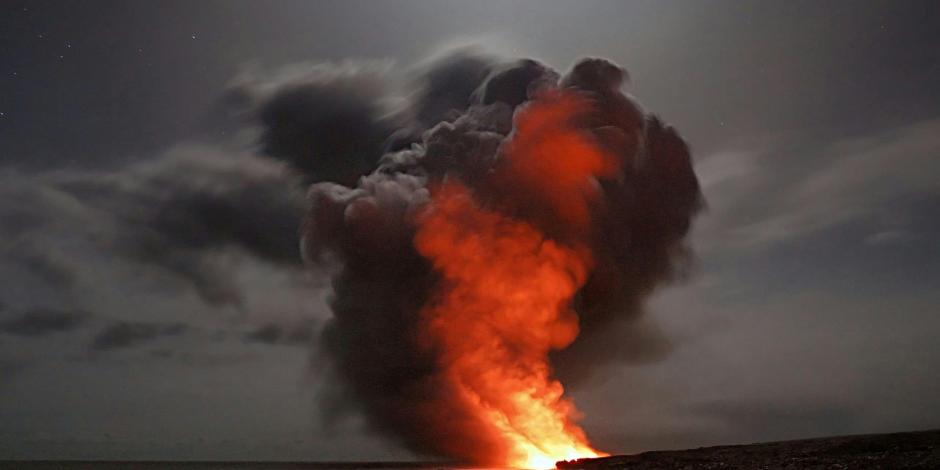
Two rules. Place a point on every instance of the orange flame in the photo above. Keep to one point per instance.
(507, 287)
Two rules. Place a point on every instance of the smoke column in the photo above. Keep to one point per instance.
(498, 239)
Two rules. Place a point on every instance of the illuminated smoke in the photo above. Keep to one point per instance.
(469, 260)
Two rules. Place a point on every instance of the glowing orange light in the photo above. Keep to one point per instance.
(506, 289)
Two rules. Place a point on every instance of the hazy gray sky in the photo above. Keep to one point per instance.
(126, 331)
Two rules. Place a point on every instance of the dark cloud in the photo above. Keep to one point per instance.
(596, 74)
(445, 86)
(441, 91)
(327, 121)
(333, 122)
(180, 210)
(43, 321)
(300, 333)
(122, 334)
(449, 88)
(383, 283)
(515, 82)
(45, 266)
(255, 216)
(268, 334)
(176, 212)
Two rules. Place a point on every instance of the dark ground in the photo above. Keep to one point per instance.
(906, 450)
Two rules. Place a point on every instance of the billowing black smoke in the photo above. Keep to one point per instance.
(453, 126)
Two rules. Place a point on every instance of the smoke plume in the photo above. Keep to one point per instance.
(506, 239)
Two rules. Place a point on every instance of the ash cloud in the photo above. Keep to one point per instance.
(44, 321)
(446, 85)
(365, 233)
(297, 334)
(179, 212)
(122, 334)
(197, 235)
(328, 121)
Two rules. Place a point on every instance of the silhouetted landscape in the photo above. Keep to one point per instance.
(888, 451)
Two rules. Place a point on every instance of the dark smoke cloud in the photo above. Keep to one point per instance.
(514, 83)
(122, 334)
(381, 283)
(44, 266)
(299, 334)
(177, 212)
(195, 219)
(328, 121)
(445, 87)
(43, 321)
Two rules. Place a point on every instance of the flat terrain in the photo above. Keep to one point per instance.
(906, 450)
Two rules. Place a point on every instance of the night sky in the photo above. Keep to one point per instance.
(153, 304)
